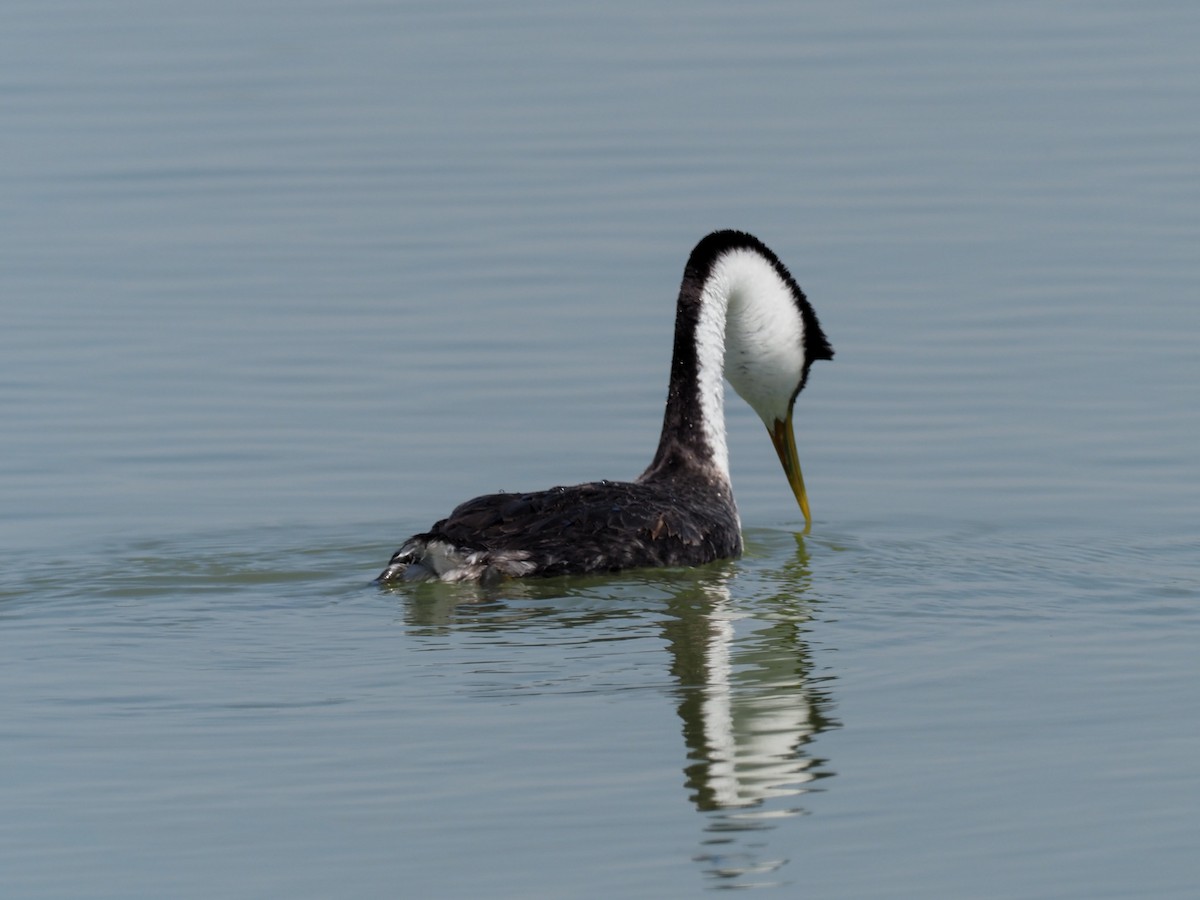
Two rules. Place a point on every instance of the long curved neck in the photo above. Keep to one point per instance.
(693, 433)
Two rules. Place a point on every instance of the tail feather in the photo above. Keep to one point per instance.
(433, 560)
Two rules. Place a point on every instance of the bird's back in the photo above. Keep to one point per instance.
(601, 526)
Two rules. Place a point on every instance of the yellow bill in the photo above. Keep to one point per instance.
(784, 439)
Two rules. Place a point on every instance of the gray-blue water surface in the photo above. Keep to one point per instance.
(282, 282)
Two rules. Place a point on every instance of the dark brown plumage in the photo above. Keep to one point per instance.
(570, 530)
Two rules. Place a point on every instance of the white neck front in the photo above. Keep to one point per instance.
(750, 332)
(710, 366)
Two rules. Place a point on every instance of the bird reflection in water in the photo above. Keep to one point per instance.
(750, 703)
(751, 707)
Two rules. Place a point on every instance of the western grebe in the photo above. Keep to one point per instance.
(740, 316)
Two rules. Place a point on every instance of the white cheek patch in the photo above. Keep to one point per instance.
(764, 334)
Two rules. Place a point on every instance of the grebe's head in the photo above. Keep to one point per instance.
(772, 337)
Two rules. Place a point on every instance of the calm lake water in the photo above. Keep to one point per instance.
(283, 282)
